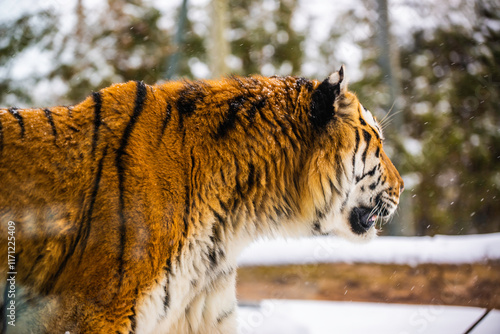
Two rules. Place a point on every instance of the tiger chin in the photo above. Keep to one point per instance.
(130, 208)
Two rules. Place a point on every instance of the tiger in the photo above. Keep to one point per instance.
(126, 213)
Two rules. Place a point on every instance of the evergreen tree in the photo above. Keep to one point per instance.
(452, 85)
(263, 39)
(16, 37)
(123, 43)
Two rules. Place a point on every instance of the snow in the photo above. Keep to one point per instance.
(318, 317)
(387, 250)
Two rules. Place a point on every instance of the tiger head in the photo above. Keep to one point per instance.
(353, 181)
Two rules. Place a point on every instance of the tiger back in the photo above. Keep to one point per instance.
(130, 208)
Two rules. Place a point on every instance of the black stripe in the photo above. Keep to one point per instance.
(72, 128)
(120, 166)
(257, 105)
(218, 216)
(390, 200)
(368, 137)
(189, 197)
(186, 223)
(355, 152)
(189, 96)
(376, 134)
(97, 97)
(212, 254)
(251, 177)
(17, 115)
(48, 114)
(166, 120)
(369, 173)
(225, 315)
(224, 206)
(88, 216)
(238, 187)
(230, 119)
(166, 299)
(362, 121)
(87, 219)
(215, 253)
(179, 253)
(217, 233)
(377, 152)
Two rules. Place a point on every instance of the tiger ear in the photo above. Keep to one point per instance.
(337, 79)
(325, 96)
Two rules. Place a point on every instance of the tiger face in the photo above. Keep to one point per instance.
(355, 173)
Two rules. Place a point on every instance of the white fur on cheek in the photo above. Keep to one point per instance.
(368, 117)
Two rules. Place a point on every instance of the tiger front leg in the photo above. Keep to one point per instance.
(212, 310)
(221, 304)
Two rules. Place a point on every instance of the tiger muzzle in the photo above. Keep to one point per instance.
(362, 219)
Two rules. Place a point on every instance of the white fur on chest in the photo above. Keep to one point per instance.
(197, 292)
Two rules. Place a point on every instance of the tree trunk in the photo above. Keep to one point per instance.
(219, 47)
(403, 223)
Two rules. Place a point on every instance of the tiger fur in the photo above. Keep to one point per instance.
(130, 208)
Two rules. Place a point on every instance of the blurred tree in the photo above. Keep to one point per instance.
(263, 39)
(16, 37)
(452, 85)
(194, 50)
(173, 60)
(219, 45)
(126, 44)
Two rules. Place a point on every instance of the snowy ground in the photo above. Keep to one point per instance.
(320, 317)
(396, 250)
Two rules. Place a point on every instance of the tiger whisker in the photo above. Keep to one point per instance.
(387, 119)
(388, 112)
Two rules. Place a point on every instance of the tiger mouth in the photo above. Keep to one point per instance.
(363, 218)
